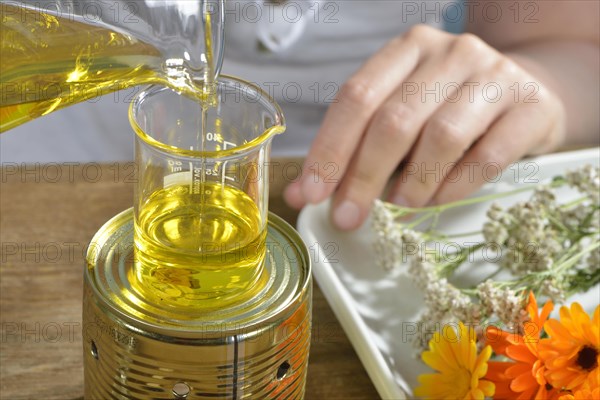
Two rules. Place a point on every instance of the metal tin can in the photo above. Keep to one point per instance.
(255, 350)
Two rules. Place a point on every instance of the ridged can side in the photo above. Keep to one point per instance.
(124, 359)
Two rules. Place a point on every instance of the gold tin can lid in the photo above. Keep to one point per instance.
(110, 258)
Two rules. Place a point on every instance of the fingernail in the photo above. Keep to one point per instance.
(313, 191)
(293, 196)
(346, 215)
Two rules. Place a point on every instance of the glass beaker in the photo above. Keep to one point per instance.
(54, 53)
(201, 198)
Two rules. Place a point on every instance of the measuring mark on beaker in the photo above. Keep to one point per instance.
(219, 168)
(196, 175)
(224, 175)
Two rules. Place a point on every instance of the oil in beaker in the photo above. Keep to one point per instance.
(199, 249)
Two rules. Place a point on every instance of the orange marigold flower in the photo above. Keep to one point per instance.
(572, 352)
(453, 353)
(524, 378)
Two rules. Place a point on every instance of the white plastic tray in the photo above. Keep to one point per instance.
(378, 309)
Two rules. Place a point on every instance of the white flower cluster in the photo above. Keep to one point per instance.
(503, 302)
(585, 213)
(388, 240)
(550, 248)
(587, 181)
(531, 241)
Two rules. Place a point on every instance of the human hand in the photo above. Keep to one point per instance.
(450, 110)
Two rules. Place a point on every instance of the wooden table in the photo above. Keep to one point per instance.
(48, 213)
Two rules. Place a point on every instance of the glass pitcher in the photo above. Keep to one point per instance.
(54, 53)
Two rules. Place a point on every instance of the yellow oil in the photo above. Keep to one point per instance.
(199, 249)
(48, 63)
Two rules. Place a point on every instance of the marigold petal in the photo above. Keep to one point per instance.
(478, 373)
(554, 362)
(562, 346)
(589, 335)
(449, 333)
(497, 370)
(565, 315)
(520, 353)
(475, 378)
(586, 394)
(532, 306)
(579, 314)
(546, 310)
(555, 329)
(499, 339)
(560, 383)
(567, 355)
(519, 369)
(439, 345)
(538, 372)
(523, 382)
(475, 394)
(532, 344)
(434, 361)
(527, 395)
(431, 387)
(469, 355)
(580, 319)
(541, 394)
(427, 381)
(473, 357)
(488, 388)
(503, 392)
(496, 374)
(569, 319)
(567, 396)
(593, 381)
(596, 394)
(559, 375)
(576, 382)
(465, 351)
(480, 365)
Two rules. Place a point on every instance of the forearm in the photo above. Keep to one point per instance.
(559, 46)
(571, 70)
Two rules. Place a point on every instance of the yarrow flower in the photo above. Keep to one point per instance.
(503, 302)
(388, 241)
(461, 371)
(572, 351)
(586, 180)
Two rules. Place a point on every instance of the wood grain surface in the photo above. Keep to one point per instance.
(48, 213)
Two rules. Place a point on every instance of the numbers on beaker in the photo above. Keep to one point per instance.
(214, 137)
(175, 166)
